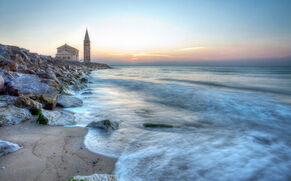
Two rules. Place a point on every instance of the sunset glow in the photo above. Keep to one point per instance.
(149, 31)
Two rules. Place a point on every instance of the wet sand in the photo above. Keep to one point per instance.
(49, 153)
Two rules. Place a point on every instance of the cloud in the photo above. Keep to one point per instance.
(238, 52)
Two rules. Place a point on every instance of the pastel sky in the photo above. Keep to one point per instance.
(138, 31)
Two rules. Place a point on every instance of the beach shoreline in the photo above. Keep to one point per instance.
(49, 153)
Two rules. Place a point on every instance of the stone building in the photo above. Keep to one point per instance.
(87, 57)
(67, 52)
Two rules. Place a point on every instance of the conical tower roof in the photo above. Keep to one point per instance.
(87, 36)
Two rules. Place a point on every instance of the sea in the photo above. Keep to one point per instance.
(229, 123)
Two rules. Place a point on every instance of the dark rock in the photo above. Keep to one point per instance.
(157, 125)
(69, 101)
(104, 124)
(26, 102)
(83, 79)
(48, 100)
(11, 115)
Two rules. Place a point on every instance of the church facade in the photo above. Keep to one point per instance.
(66, 52)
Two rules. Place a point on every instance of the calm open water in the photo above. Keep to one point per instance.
(232, 123)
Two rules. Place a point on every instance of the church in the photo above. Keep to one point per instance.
(66, 52)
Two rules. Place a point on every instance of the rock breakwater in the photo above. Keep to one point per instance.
(30, 82)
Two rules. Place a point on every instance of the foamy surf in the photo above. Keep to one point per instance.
(220, 132)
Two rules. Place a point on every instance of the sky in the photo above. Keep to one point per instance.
(154, 31)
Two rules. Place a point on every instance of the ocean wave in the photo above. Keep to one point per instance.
(209, 155)
(235, 87)
(208, 103)
(220, 133)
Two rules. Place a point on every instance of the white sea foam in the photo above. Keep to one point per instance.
(221, 133)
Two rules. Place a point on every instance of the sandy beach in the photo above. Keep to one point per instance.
(49, 153)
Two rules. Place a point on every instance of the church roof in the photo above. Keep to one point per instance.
(66, 46)
(87, 35)
(64, 53)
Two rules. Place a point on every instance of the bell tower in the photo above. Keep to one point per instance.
(87, 57)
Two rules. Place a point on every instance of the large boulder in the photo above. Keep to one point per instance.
(26, 102)
(69, 101)
(56, 118)
(95, 177)
(11, 115)
(31, 86)
(7, 147)
(104, 124)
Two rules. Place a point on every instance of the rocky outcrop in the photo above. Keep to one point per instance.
(26, 102)
(58, 118)
(10, 115)
(39, 79)
(15, 59)
(31, 86)
(95, 177)
(69, 101)
(104, 124)
(7, 147)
